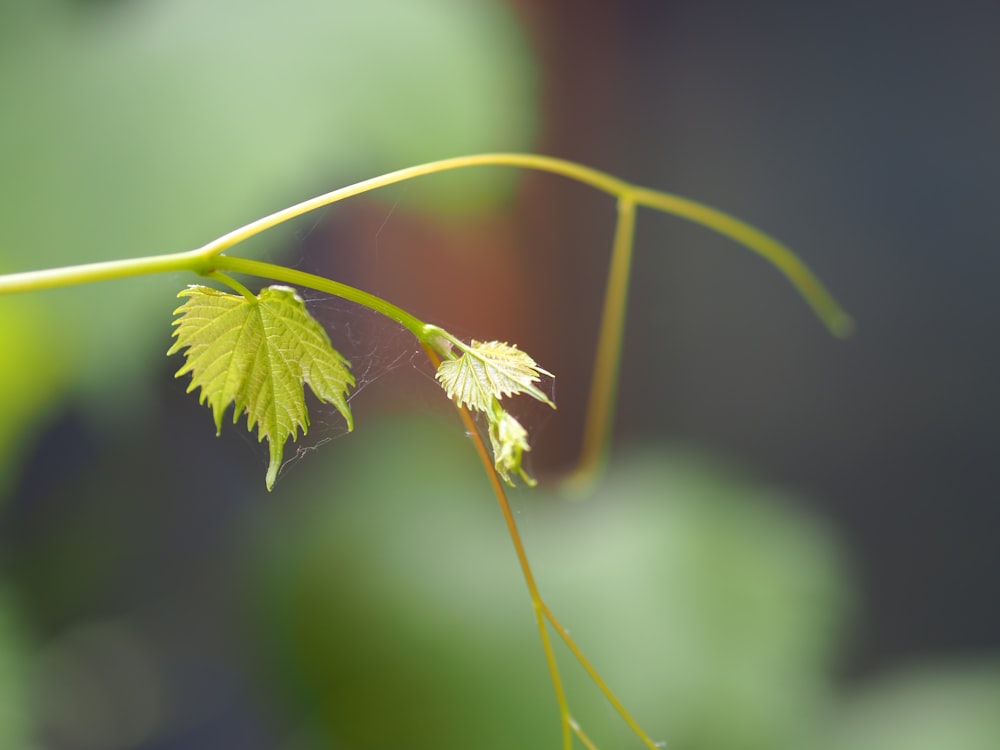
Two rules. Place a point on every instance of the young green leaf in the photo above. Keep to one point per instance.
(257, 353)
(509, 440)
(490, 370)
(479, 377)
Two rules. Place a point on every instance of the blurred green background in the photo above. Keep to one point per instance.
(795, 545)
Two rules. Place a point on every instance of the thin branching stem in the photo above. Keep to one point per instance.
(607, 359)
(541, 609)
(537, 604)
(582, 736)
(597, 679)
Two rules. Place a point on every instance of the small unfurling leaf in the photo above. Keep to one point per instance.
(509, 440)
(258, 353)
(490, 370)
(478, 378)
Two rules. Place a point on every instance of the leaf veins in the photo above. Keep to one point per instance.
(482, 375)
(258, 353)
(490, 370)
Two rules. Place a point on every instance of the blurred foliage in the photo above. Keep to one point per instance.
(374, 601)
(97, 686)
(923, 707)
(391, 612)
(136, 128)
(15, 714)
(34, 371)
(394, 613)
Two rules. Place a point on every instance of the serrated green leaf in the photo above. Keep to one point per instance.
(490, 370)
(258, 353)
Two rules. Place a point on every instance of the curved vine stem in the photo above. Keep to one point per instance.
(594, 445)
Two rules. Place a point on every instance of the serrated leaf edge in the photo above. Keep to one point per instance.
(302, 370)
(449, 374)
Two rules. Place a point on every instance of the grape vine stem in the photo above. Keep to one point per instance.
(604, 384)
(212, 260)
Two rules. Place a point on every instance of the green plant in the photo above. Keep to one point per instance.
(258, 351)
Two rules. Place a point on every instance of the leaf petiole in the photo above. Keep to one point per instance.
(322, 284)
(232, 284)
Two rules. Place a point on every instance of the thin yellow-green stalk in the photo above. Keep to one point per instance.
(607, 359)
(540, 608)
